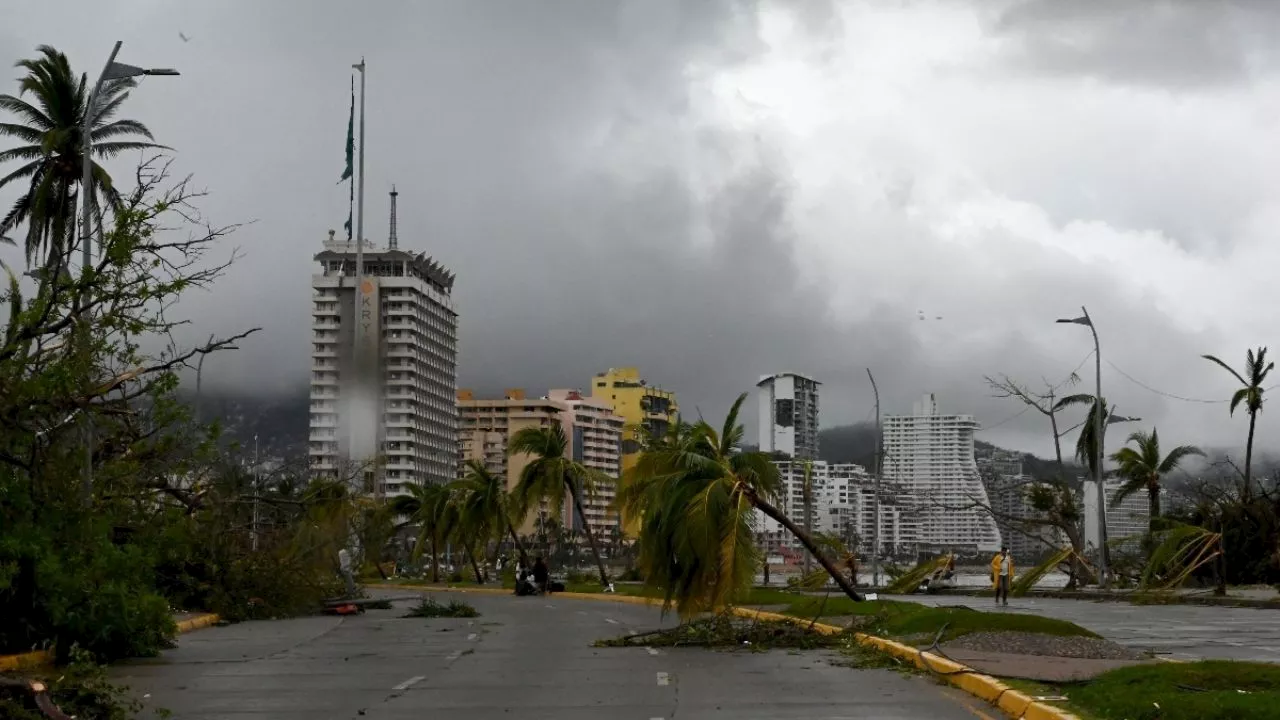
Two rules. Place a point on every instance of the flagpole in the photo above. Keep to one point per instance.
(358, 340)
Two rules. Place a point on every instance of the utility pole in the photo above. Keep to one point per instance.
(875, 530)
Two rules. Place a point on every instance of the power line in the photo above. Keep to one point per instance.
(1021, 412)
(1147, 387)
(1011, 418)
(1073, 372)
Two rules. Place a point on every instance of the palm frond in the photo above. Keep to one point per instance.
(1227, 367)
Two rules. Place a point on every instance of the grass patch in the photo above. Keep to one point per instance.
(731, 631)
(429, 608)
(1206, 690)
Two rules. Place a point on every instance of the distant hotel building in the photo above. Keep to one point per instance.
(593, 431)
(1127, 521)
(788, 405)
(930, 455)
(408, 345)
(843, 505)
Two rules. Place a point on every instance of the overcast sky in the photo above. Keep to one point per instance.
(713, 190)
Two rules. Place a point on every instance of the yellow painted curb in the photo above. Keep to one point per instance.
(985, 687)
(39, 658)
(198, 622)
(25, 661)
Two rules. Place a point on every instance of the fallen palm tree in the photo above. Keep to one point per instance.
(728, 630)
(910, 581)
(1182, 550)
(1028, 580)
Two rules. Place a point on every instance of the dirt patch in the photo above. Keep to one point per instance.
(1024, 643)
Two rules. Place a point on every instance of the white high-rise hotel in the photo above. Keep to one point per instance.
(789, 415)
(409, 342)
(930, 456)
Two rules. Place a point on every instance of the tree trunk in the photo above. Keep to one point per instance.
(591, 537)
(1153, 506)
(808, 543)
(475, 567)
(524, 558)
(435, 561)
(1248, 460)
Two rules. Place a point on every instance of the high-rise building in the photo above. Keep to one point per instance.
(640, 405)
(789, 415)
(395, 390)
(842, 504)
(1127, 520)
(595, 440)
(931, 456)
(594, 434)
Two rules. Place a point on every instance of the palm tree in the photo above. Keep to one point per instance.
(1256, 368)
(551, 473)
(1087, 443)
(695, 495)
(428, 507)
(485, 505)
(1142, 468)
(51, 153)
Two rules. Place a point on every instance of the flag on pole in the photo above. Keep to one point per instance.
(351, 149)
(351, 136)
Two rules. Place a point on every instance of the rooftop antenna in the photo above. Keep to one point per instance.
(392, 242)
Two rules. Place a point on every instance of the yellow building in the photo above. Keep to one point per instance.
(638, 404)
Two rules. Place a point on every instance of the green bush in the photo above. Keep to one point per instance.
(66, 583)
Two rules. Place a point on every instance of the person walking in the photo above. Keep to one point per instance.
(344, 566)
(1002, 574)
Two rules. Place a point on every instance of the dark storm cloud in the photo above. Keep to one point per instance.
(541, 152)
(1165, 43)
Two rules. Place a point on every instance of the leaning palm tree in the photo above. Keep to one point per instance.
(49, 129)
(551, 473)
(1142, 468)
(485, 505)
(696, 495)
(1256, 368)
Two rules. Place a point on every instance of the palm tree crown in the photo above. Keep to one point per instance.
(1256, 369)
(49, 129)
(1143, 468)
(695, 494)
(551, 473)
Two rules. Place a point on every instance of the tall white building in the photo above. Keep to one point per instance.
(931, 456)
(789, 415)
(842, 504)
(397, 389)
(1127, 520)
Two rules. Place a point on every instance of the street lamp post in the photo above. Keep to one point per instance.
(111, 71)
(1099, 429)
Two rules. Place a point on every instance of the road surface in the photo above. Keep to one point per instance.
(1178, 632)
(523, 659)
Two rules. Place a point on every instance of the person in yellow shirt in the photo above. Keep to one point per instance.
(1002, 574)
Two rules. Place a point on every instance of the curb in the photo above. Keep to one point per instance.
(40, 658)
(987, 688)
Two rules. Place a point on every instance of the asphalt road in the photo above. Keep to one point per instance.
(1178, 632)
(524, 658)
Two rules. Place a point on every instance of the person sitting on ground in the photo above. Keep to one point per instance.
(1002, 574)
(541, 574)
